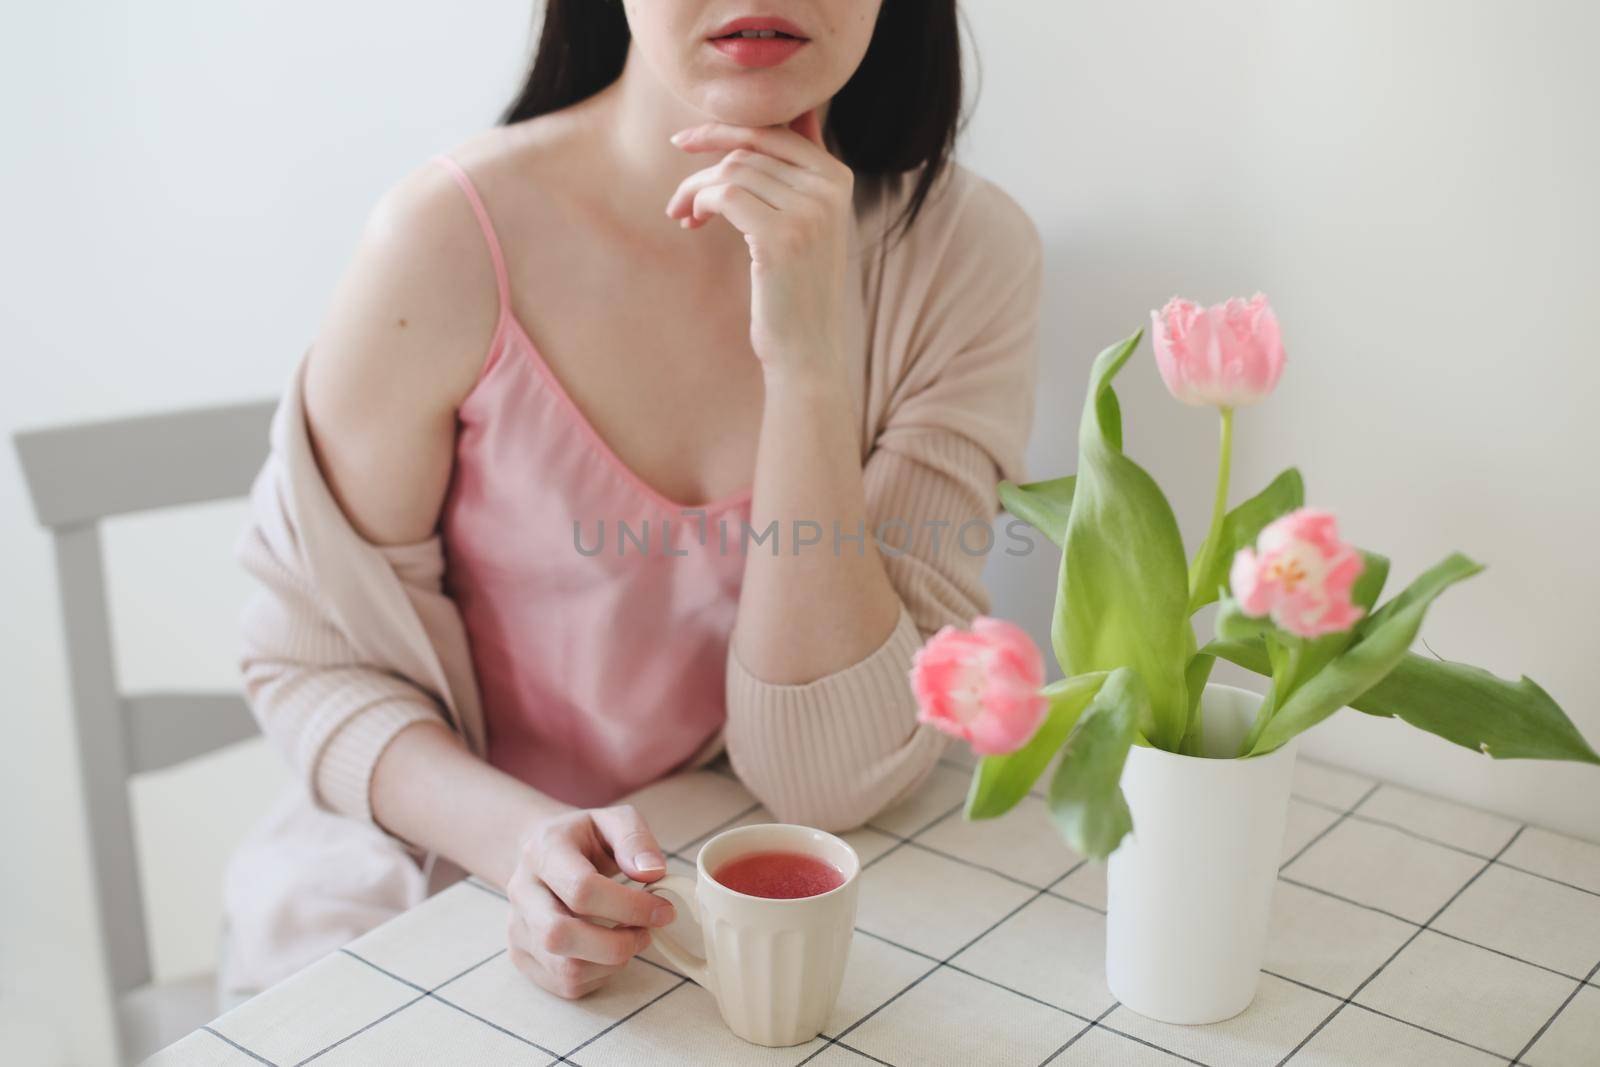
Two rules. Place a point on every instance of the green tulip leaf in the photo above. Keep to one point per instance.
(1086, 801)
(1426, 587)
(1378, 649)
(1476, 709)
(1461, 703)
(1234, 625)
(1249, 653)
(1195, 677)
(1108, 409)
(1241, 527)
(1043, 505)
(1000, 782)
(1123, 595)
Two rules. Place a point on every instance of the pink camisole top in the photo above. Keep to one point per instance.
(597, 611)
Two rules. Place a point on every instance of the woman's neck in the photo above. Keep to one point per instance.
(634, 117)
(638, 115)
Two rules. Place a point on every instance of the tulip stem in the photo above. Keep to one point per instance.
(1208, 553)
(1283, 683)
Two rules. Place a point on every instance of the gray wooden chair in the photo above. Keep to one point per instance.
(79, 475)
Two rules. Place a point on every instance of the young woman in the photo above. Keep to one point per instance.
(665, 417)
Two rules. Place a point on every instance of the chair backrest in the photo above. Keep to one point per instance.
(79, 475)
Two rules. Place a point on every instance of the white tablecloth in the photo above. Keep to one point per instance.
(1405, 930)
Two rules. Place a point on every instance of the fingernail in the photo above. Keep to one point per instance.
(644, 940)
(649, 861)
(663, 914)
(678, 137)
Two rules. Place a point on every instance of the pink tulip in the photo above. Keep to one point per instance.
(981, 686)
(1301, 574)
(1225, 356)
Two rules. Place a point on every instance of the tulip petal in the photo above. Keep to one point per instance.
(981, 685)
(1227, 355)
(1300, 573)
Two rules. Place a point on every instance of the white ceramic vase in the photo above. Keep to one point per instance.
(1189, 891)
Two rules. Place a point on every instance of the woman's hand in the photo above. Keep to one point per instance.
(561, 891)
(792, 200)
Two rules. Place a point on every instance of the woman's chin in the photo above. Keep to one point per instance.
(747, 105)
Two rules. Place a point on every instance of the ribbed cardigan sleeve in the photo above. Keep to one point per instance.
(834, 752)
(318, 699)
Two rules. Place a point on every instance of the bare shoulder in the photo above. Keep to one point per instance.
(416, 311)
(401, 345)
(539, 180)
(412, 323)
(417, 304)
(535, 160)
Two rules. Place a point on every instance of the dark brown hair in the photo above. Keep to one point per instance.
(900, 112)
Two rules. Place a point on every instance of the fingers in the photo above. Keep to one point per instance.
(562, 907)
(553, 932)
(779, 142)
(636, 849)
(569, 983)
(788, 173)
(588, 893)
(767, 171)
(580, 939)
(770, 188)
(565, 976)
(748, 213)
(762, 170)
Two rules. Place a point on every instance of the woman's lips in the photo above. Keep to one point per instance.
(758, 51)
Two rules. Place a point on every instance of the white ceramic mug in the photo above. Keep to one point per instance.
(774, 965)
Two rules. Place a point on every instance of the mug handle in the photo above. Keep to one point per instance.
(689, 963)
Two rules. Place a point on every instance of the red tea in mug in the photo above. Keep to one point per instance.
(779, 875)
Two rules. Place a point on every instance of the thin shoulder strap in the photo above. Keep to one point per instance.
(501, 281)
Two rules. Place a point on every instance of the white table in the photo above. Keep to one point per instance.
(1405, 930)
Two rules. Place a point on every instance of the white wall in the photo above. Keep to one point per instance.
(1411, 183)
(182, 183)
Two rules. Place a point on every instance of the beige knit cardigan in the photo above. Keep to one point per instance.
(347, 643)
